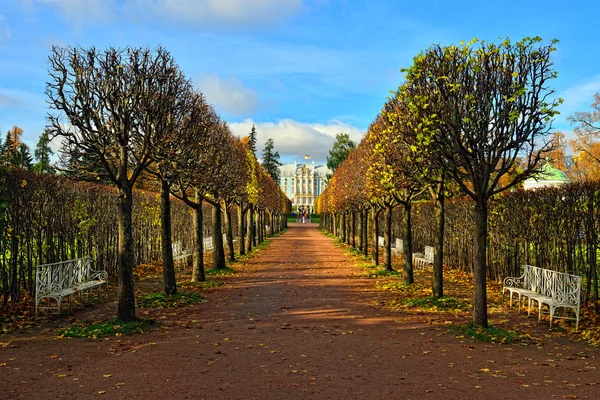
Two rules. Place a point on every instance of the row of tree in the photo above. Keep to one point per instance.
(15, 153)
(473, 118)
(129, 117)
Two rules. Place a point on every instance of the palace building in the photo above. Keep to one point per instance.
(302, 183)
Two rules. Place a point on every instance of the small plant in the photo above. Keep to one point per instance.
(438, 303)
(381, 273)
(491, 334)
(163, 300)
(208, 284)
(111, 327)
(220, 271)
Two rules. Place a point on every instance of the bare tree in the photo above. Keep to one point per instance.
(484, 108)
(106, 104)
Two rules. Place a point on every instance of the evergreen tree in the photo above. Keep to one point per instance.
(10, 147)
(252, 140)
(23, 157)
(270, 160)
(339, 152)
(42, 153)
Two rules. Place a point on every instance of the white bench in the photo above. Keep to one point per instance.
(555, 289)
(179, 252)
(399, 246)
(424, 259)
(64, 279)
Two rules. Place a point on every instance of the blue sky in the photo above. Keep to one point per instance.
(300, 70)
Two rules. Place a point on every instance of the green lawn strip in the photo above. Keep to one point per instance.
(220, 271)
(208, 284)
(111, 327)
(163, 300)
(491, 334)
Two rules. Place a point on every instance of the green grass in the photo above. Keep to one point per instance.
(223, 271)
(491, 334)
(381, 273)
(438, 303)
(208, 284)
(163, 300)
(111, 327)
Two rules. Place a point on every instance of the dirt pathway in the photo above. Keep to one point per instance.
(295, 323)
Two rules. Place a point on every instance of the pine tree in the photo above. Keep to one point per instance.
(42, 153)
(339, 152)
(11, 147)
(23, 157)
(252, 141)
(270, 160)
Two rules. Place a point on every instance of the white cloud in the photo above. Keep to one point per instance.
(294, 139)
(4, 29)
(215, 12)
(579, 97)
(230, 13)
(228, 95)
(78, 11)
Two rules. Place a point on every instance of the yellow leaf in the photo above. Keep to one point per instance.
(107, 375)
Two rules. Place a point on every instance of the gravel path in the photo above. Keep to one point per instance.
(297, 322)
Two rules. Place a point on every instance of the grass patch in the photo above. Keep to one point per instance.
(438, 303)
(491, 334)
(111, 327)
(221, 271)
(163, 300)
(208, 284)
(381, 273)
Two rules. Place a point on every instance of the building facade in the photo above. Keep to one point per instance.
(303, 183)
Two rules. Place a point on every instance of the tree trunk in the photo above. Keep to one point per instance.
(408, 270)
(241, 232)
(479, 269)
(438, 245)
(365, 232)
(344, 227)
(374, 214)
(387, 237)
(229, 233)
(126, 307)
(354, 229)
(360, 231)
(250, 230)
(198, 254)
(218, 252)
(166, 239)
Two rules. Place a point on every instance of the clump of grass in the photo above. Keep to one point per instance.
(163, 300)
(220, 271)
(381, 273)
(208, 284)
(111, 327)
(491, 334)
(438, 303)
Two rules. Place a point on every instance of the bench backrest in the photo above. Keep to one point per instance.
(380, 241)
(52, 278)
(561, 287)
(177, 248)
(428, 253)
(207, 243)
(399, 245)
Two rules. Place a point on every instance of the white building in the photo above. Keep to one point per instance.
(302, 183)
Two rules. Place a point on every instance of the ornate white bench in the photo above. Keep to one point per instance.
(424, 259)
(544, 286)
(178, 252)
(399, 246)
(64, 279)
